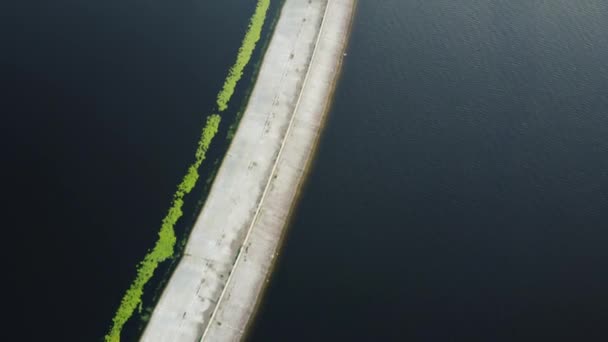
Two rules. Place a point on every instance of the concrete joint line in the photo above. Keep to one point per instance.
(270, 179)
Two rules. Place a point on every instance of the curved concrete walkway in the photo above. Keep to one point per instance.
(216, 286)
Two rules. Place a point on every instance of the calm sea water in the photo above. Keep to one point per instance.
(461, 187)
(101, 103)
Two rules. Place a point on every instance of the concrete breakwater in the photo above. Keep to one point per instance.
(216, 286)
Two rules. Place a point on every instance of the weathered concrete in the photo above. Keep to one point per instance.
(215, 288)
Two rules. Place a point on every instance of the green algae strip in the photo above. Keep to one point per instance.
(251, 38)
(165, 245)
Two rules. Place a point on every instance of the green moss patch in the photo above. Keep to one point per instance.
(165, 245)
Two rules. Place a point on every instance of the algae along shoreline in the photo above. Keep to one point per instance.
(217, 284)
(164, 248)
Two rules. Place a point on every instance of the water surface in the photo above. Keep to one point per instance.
(461, 187)
(102, 106)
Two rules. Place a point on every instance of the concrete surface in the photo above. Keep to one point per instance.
(216, 286)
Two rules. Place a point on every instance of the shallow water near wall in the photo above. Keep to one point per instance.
(102, 107)
(460, 192)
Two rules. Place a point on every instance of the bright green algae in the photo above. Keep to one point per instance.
(165, 245)
(247, 47)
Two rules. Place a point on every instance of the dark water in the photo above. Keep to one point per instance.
(461, 187)
(101, 103)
